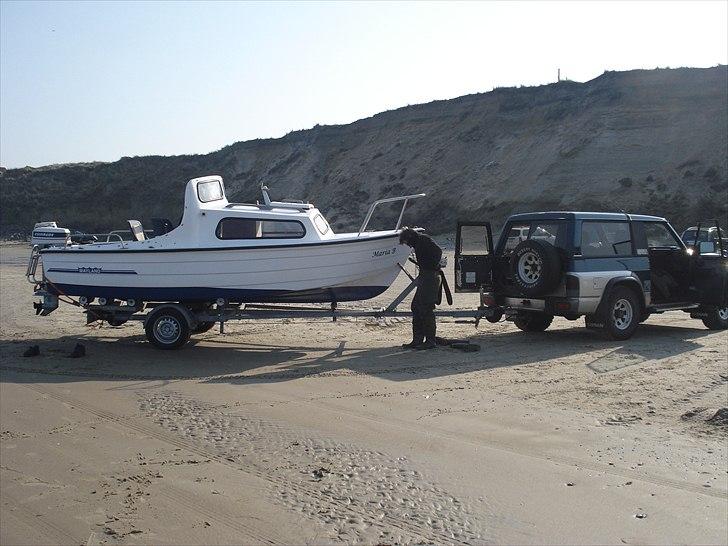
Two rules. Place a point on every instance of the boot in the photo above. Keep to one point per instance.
(426, 345)
(418, 334)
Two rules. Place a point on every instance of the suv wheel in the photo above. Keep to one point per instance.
(622, 313)
(717, 318)
(535, 267)
(533, 322)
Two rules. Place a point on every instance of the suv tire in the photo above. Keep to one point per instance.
(717, 318)
(533, 322)
(535, 267)
(621, 314)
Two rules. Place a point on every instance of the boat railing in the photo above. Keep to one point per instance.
(33, 265)
(118, 236)
(405, 200)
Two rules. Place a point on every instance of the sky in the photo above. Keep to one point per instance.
(96, 81)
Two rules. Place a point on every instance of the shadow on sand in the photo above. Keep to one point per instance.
(214, 358)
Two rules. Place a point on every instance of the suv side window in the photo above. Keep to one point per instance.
(605, 239)
(658, 235)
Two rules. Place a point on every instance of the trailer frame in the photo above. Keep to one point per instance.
(222, 311)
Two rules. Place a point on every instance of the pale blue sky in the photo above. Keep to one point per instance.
(97, 81)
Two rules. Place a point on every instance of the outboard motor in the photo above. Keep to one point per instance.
(46, 234)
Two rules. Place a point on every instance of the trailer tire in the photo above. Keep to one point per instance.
(535, 267)
(167, 328)
(203, 327)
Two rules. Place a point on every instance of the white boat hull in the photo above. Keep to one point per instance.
(339, 270)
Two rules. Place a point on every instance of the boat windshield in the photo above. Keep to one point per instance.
(209, 191)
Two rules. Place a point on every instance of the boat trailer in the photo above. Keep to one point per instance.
(170, 325)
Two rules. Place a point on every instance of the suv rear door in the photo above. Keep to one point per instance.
(473, 256)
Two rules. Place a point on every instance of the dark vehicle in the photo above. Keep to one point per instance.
(693, 236)
(614, 269)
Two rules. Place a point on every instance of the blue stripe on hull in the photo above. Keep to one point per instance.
(318, 295)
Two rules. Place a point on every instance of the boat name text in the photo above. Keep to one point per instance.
(380, 253)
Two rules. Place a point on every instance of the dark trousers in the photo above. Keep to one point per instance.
(424, 326)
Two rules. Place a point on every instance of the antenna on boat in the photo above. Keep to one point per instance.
(266, 197)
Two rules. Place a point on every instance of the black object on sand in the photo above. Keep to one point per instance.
(466, 347)
(78, 351)
(33, 350)
(459, 344)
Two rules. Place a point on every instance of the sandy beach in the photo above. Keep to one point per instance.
(315, 432)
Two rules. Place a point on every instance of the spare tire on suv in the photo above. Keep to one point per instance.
(535, 267)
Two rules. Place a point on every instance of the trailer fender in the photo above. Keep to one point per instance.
(189, 316)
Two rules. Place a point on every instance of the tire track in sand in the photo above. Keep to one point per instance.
(348, 519)
(50, 530)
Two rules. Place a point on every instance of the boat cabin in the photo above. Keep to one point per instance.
(209, 219)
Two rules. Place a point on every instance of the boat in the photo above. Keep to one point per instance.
(269, 252)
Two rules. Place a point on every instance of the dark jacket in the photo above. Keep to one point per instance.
(427, 253)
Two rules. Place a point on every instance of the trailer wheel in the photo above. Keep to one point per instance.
(203, 327)
(167, 328)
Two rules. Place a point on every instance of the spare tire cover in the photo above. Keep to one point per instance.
(535, 267)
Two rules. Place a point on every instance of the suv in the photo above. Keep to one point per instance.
(614, 269)
(694, 236)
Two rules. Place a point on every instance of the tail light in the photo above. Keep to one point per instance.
(572, 286)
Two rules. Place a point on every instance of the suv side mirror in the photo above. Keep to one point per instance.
(707, 247)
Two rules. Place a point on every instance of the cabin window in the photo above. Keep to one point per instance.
(250, 228)
(321, 224)
(209, 191)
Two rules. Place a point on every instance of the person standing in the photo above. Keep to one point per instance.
(427, 257)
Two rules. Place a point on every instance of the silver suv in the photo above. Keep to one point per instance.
(614, 269)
